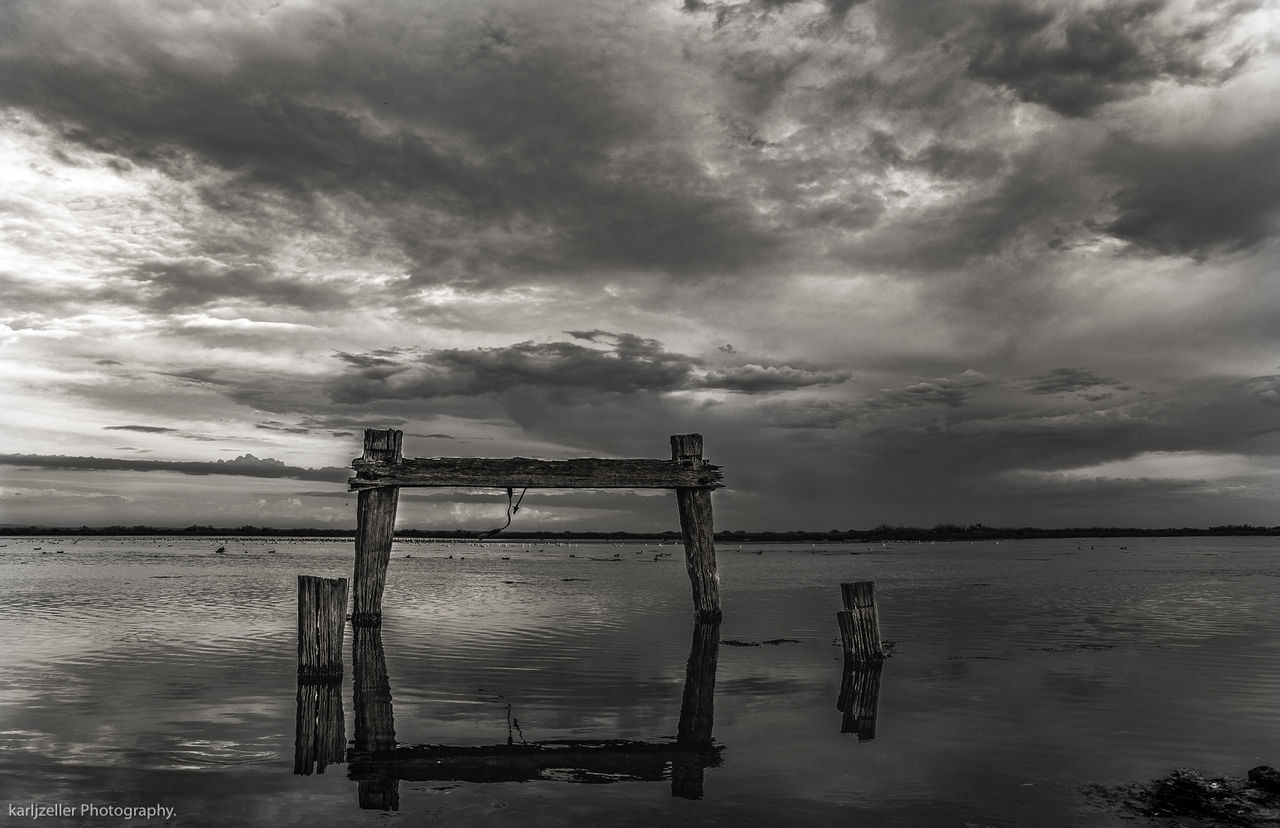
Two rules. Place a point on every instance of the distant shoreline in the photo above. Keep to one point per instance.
(944, 532)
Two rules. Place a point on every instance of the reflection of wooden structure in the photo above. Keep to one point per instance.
(860, 699)
(320, 737)
(375, 721)
(378, 763)
(575, 760)
(381, 472)
(697, 713)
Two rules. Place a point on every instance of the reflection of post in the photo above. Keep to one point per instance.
(375, 722)
(860, 698)
(696, 711)
(320, 735)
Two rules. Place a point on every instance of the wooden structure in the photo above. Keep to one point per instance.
(860, 623)
(382, 471)
(322, 616)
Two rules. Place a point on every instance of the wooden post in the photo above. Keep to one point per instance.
(322, 617)
(860, 623)
(375, 530)
(696, 527)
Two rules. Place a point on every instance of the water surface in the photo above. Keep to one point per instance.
(152, 670)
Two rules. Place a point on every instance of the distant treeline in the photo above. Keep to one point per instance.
(881, 533)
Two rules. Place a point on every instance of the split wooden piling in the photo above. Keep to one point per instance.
(375, 529)
(322, 617)
(698, 532)
(860, 623)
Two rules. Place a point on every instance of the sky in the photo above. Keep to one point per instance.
(973, 261)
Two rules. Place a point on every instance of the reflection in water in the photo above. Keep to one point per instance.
(321, 736)
(860, 698)
(375, 721)
(696, 710)
(378, 764)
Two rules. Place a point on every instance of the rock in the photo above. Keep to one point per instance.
(1265, 778)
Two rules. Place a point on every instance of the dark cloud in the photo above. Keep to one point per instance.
(1074, 60)
(542, 142)
(613, 363)
(143, 429)
(628, 365)
(185, 284)
(1068, 381)
(1195, 198)
(245, 465)
(759, 379)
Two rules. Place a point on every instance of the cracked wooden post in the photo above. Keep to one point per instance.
(375, 530)
(322, 618)
(860, 623)
(696, 527)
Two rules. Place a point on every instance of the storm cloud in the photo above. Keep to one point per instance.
(979, 260)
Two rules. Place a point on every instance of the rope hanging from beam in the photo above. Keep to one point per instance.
(511, 510)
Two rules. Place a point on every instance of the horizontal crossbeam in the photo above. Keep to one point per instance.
(526, 473)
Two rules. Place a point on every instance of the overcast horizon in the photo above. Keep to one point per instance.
(1004, 262)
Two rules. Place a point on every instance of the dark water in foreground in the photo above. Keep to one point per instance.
(143, 671)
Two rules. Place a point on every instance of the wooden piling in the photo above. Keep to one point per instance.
(697, 530)
(860, 622)
(322, 617)
(375, 529)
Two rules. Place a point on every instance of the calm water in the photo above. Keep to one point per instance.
(153, 671)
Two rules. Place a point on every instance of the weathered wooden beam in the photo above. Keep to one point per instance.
(698, 531)
(526, 473)
(375, 530)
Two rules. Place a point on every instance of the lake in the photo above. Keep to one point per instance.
(152, 671)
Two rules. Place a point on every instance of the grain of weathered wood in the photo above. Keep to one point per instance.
(698, 531)
(322, 611)
(375, 530)
(862, 637)
(527, 473)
